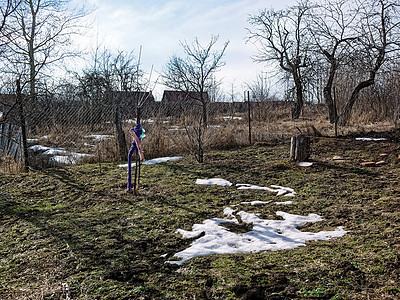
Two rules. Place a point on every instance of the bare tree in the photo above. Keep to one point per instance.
(379, 38)
(332, 25)
(39, 34)
(7, 8)
(193, 74)
(282, 37)
(111, 79)
(42, 32)
(260, 88)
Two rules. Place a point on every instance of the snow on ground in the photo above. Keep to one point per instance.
(284, 203)
(37, 148)
(161, 160)
(99, 137)
(62, 160)
(214, 181)
(226, 118)
(266, 235)
(257, 202)
(279, 190)
(212, 238)
(59, 155)
(371, 139)
(154, 161)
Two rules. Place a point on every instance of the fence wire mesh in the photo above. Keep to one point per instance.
(64, 130)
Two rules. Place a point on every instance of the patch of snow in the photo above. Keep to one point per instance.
(161, 160)
(39, 148)
(79, 155)
(229, 211)
(55, 151)
(32, 140)
(226, 118)
(214, 181)
(99, 137)
(284, 203)
(59, 155)
(62, 160)
(266, 235)
(279, 190)
(305, 164)
(154, 161)
(257, 202)
(371, 139)
(293, 194)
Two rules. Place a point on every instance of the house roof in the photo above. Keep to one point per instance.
(181, 96)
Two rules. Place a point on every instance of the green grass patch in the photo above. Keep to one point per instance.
(74, 232)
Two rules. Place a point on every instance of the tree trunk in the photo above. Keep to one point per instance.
(296, 111)
(332, 111)
(118, 128)
(345, 115)
(204, 106)
(300, 148)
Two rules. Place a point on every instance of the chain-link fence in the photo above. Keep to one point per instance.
(62, 131)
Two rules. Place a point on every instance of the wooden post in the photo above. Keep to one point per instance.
(300, 148)
(249, 115)
(24, 129)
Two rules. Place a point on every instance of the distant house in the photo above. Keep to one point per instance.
(129, 100)
(177, 102)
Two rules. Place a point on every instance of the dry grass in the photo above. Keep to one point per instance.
(9, 166)
(170, 136)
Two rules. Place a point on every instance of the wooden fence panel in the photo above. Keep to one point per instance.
(11, 141)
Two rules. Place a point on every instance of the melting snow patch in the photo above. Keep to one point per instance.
(161, 160)
(284, 203)
(266, 235)
(371, 139)
(99, 137)
(58, 155)
(214, 181)
(226, 118)
(39, 148)
(154, 161)
(279, 190)
(55, 151)
(305, 164)
(62, 160)
(255, 203)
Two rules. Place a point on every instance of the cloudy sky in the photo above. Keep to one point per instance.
(158, 26)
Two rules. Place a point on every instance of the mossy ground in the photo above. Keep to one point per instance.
(74, 232)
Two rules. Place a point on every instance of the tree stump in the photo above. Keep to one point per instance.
(300, 148)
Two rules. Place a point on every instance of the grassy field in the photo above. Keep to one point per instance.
(74, 233)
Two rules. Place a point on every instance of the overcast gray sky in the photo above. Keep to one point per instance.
(159, 26)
